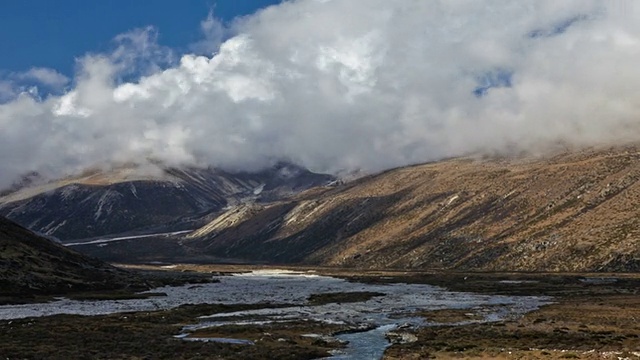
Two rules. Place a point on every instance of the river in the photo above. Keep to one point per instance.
(381, 314)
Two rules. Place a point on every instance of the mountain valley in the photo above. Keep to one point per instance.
(127, 199)
(31, 265)
(573, 211)
(526, 230)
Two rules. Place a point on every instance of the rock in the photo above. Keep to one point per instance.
(400, 337)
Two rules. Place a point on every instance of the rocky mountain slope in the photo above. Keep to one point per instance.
(126, 199)
(30, 264)
(576, 211)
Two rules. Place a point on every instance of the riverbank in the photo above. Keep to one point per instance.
(606, 326)
(593, 316)
(137, 281)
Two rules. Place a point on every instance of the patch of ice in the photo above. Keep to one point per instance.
(258, 190)
(219, 340)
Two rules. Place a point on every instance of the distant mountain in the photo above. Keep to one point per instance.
(571, 212)
(30, 264)
(126, 199)
(576, 211)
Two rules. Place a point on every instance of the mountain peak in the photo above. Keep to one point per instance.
(128, 198)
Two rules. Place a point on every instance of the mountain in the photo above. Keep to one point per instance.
(30, 264)
(159, 199)
(576, 211)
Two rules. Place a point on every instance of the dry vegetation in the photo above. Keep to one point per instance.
(580, 328)
(150, 335)
(571, 212)
(594, 316)
(31, 265)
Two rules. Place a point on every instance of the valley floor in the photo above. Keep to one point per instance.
(593, 316)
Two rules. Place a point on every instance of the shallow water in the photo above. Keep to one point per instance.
(365, 345)
(382, 313)
(282, 287)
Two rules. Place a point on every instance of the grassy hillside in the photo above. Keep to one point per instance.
(30, 265)
(576, 211)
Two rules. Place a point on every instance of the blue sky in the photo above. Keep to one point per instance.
(45, 33)
(308, 82)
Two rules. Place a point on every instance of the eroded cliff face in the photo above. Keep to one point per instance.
(571, 212)
(122, 200)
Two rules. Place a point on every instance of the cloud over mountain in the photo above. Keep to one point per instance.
(344, 84)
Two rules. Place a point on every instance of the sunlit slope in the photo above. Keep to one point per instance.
(167, 199)
(573, 211)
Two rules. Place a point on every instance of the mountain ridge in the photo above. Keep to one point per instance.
(572, 211)
(568, 212)
(32, 265)
(99, 204)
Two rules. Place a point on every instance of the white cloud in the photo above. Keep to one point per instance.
(213, 31)
(44, 76)
(138, 52)
(30, 82)
(346, 84)
(7, 91)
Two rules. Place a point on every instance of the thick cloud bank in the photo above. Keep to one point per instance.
(343, 85)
